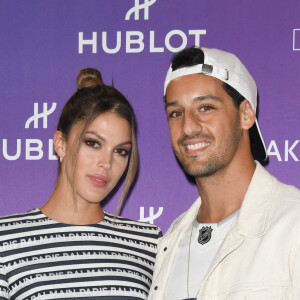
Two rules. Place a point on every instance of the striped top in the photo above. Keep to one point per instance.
(45, 259)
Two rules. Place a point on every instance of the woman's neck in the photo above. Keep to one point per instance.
(63, 206)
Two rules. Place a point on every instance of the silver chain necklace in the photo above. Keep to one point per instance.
(204, 237)
(189, 260)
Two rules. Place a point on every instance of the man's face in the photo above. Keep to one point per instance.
(204, 124)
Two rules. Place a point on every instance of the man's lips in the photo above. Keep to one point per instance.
(193, 147)
(196, 146)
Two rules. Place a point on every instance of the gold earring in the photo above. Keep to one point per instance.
(61, 159)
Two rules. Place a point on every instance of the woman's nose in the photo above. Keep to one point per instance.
(104, 161)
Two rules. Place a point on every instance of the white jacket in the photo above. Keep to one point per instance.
(260, 256)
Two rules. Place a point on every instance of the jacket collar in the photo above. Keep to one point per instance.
(255, 212)
(254, 215)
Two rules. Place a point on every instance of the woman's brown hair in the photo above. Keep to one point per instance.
(88, 77)
(92, 99)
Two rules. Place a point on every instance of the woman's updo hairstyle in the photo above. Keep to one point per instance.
(88, 77)
(92, 99)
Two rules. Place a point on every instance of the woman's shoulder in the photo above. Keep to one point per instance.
(134, 226)
(19, 219)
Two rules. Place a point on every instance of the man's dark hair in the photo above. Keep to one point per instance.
(195, 56)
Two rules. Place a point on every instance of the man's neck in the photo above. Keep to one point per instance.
(223, 192)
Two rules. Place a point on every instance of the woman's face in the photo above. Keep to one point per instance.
(102, 158)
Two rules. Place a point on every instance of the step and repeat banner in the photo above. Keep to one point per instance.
(44, 44)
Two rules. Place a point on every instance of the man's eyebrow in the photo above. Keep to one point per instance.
(206, 97)
(198, 98)
(170, 104)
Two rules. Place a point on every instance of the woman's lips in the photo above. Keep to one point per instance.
(98, 180)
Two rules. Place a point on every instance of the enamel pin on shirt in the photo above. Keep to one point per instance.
(204, 235)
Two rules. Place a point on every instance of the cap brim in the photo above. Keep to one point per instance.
(257, 144)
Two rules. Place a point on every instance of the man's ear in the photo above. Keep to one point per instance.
(59, 144)
(247, 115)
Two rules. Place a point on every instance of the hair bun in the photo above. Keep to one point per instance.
(88, 77)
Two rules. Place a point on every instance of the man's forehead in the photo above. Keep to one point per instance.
(194, 85)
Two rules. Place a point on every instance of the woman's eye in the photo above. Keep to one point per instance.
(122, 152)
(91, 143)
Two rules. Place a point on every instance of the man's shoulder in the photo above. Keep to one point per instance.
(176, 223)
(285, 209)
(264, 184)
(185, 219)
(287, 204)
(288, 192)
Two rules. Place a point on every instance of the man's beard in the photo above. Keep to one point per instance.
(216, 159)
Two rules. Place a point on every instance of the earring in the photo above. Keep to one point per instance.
(61, 159)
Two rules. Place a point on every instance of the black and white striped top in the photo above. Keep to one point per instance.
(45, 259)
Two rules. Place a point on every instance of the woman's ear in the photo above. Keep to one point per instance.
(247, 115)
(59, 144)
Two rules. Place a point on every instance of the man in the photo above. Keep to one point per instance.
(240, 239)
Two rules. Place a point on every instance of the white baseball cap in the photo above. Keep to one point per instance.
(228, 68)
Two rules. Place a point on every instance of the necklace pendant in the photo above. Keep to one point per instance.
(204, 235)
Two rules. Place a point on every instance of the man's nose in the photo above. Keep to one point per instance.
(191, 124)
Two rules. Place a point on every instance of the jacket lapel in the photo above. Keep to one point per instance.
(253, 218)
(232, 242)
(171, 242)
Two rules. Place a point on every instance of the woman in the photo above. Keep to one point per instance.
(70, 248)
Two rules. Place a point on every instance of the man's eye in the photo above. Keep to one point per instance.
(92, 143)
(122, 152)
(175, 114)
(206, 108)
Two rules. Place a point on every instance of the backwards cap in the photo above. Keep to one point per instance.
(228, 68)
